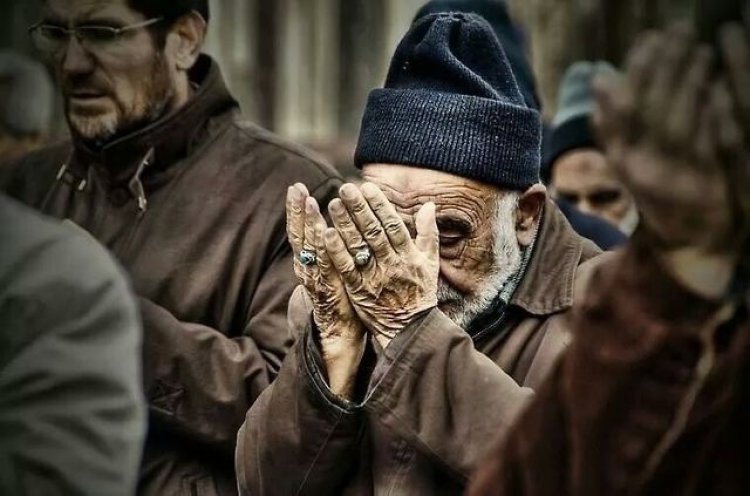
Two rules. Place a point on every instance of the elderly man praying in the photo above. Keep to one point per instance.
(435, 301)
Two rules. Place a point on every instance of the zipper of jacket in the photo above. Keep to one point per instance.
(62, 172)
(701, 372)
(135, 186)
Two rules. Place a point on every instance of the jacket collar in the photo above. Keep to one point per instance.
(165, 141)
(547, 285)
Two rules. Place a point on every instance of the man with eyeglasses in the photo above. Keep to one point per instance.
(161, 171)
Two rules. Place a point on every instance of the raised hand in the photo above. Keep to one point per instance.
(341, 334)
(667, 129)
(390, 288)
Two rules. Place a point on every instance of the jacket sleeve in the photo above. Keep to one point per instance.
(611, 410)
(201, 382)
(72, 412)
(298, 438)
(442, 396)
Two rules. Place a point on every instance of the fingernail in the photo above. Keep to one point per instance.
(348, 192)
(294, 193)
(311, 206)
(335, 207)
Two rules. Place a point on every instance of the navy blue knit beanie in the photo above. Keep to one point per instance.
(510, 35)
(451, 103)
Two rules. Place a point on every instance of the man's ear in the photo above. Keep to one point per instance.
(530, 207)
(185, 40)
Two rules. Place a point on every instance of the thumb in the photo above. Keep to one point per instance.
(428, 239)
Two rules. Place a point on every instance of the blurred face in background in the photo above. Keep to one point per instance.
(584, 179)
(112, 83)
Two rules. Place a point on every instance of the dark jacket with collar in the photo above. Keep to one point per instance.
(434, 403)
(193, 207)
(651, 398)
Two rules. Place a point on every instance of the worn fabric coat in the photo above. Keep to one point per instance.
(651, 398)
(433, 401)
(193, 207)
(72, 411)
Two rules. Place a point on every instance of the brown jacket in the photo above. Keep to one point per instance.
(652, 397)
(435, 401)
(193, 207)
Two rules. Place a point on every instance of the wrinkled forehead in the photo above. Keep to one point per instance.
(410, 187)
(72, 12)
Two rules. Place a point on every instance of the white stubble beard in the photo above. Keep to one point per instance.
(507, 259)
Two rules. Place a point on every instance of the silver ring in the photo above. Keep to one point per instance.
(307, 258)
(362, 257)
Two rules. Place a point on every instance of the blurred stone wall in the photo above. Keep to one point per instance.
(564, 31)
(303, 68)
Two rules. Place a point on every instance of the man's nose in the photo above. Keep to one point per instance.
(584, 205)
(75, 60)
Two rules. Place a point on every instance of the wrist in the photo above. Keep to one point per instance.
(342, 356)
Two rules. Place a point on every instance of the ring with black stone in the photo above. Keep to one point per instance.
(307, 258)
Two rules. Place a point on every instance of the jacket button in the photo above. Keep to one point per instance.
(119, 196)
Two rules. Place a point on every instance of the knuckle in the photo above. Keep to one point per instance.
(373, 231)
(392, 226)
(359, 207)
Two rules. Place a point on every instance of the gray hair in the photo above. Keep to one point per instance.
(506, 262)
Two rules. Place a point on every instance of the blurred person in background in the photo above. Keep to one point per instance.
(512, 40)
(162, 170)
(72, 412)
(579, 172)
(653, 394)
(26, 105)
(437, 302)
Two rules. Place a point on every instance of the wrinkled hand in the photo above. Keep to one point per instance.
(400, 281)
(341, 333)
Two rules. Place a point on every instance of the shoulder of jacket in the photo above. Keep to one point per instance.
(588, 268)
(30, 234)
(281, 148)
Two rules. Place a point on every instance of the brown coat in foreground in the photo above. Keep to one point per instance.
(434, 403)
(193, 207)
(652, 398)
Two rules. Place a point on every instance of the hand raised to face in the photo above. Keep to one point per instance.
(399, 280)
(341, 333)
(666, 129)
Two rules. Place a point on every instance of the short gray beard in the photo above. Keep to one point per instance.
(158, 97)
(507, 259)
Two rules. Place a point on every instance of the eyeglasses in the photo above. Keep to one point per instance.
(50, 40)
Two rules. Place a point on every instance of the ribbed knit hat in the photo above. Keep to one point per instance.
(572, 123)
(510, 35)
(451, 103)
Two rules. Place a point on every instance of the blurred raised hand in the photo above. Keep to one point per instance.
(670, 130)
